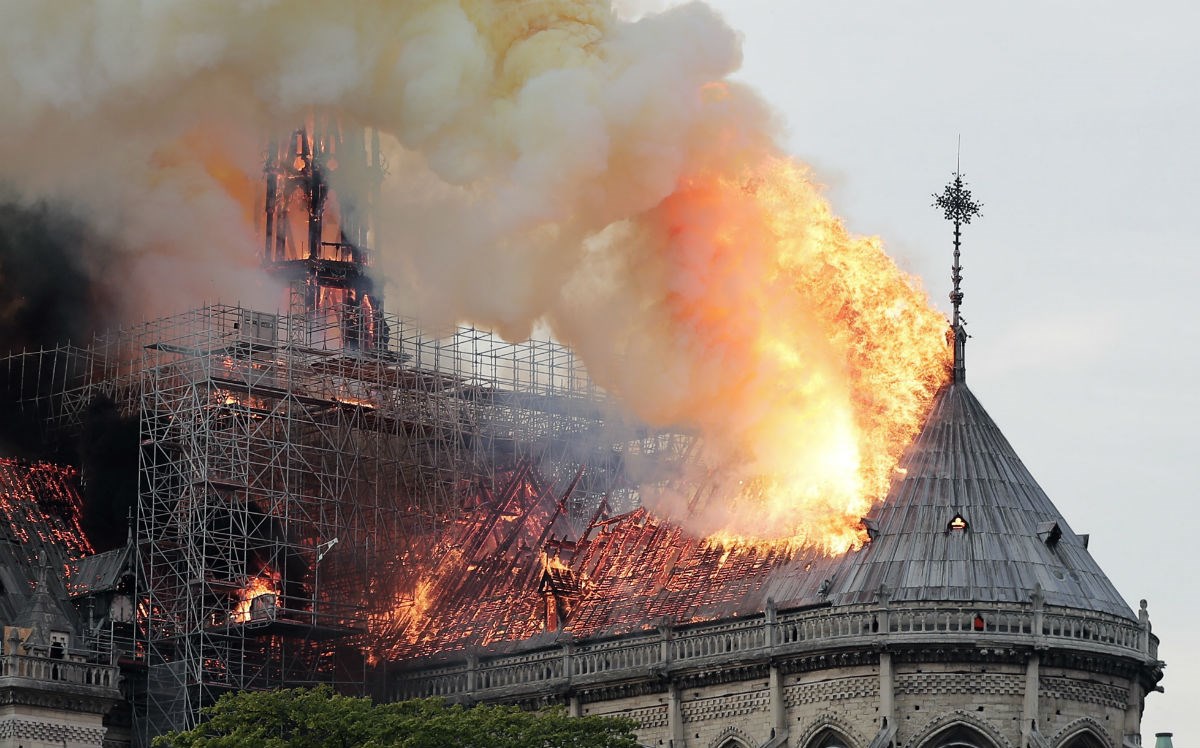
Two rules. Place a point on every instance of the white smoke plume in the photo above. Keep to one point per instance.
(537, 151)
(542, 121)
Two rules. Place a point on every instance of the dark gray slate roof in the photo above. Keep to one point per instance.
(960, 464)
(15, 582)
(47, 608)
(100, 572)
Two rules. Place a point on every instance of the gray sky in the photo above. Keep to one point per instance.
(1078, 124)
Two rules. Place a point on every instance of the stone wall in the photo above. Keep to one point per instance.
(1024, 678)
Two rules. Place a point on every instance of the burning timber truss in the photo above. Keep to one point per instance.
(285, 474)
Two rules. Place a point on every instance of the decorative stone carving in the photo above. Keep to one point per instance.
(1084, 692)
(836, 689)
(958, 717)
(731, 733)
(830, 721)
(1089, 725)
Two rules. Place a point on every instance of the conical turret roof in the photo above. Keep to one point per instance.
(966, 522)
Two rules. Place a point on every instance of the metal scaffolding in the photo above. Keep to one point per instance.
(286, 476)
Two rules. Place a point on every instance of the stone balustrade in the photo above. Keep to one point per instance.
(58, 671)
(776, 635)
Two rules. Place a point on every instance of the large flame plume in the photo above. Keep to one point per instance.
(803, 355)
(549, 163)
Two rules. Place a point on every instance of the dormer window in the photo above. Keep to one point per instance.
(957, 524)
(1049, 532)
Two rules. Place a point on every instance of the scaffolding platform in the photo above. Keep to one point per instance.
(278, 455)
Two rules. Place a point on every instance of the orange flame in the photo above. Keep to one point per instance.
(812, 358)
(255, 588)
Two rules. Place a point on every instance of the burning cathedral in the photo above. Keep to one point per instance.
(327, 494)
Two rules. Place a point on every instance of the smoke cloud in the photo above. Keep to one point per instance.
(47, 296)
(550, 162)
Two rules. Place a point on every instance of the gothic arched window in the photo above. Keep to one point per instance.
(733, 743)
(959, 736)
(1084, 739)
(828, 738)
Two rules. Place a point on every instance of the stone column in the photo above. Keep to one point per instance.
(567, 667)
(887, 676)
(887, 697)
(472, 673)
(778, 709)
(1132, 731)
(1029, 709)
(665, 634)
(675, 716)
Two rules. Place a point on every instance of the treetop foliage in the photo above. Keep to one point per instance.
(320, 718)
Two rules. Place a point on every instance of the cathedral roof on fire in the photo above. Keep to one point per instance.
(41, 537)
(41, 509)
(966, 523)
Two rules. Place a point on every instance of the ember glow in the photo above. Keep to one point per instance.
(255, 588)
(41, 509)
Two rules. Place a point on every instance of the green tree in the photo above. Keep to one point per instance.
(319, 718)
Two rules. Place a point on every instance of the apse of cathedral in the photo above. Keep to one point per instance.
(972, 617)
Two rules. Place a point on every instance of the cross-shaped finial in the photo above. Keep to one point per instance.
(959, 207)
(956, 201)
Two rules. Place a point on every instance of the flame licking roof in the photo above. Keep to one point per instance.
(616, 575)
(1009, 538)
(632, 571)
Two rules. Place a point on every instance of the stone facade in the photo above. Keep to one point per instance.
(54, 691)
(52, 700)
(1030, 676)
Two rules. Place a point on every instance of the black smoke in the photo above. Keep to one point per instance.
(108, 459)
(49, 294)
(52, 293)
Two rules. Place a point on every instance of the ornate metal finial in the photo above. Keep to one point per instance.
(958, 206)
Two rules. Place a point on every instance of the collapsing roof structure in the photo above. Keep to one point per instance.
(962, 522)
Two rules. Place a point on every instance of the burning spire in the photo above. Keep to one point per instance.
(321, 187)
(958, 207)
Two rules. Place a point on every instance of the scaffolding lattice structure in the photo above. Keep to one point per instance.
(285, 476)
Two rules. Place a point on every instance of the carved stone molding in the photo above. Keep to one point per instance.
(932, 684)
(1092, 663)
(958, 717)
(64, 701)
(51, 732)
(962, 653)
(1084, 724)
(835, 689)
(719, 675)
(829, 721)
(1084, 691)
(602, 692)
(731, 733)
(726, 706)
(829, 661)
